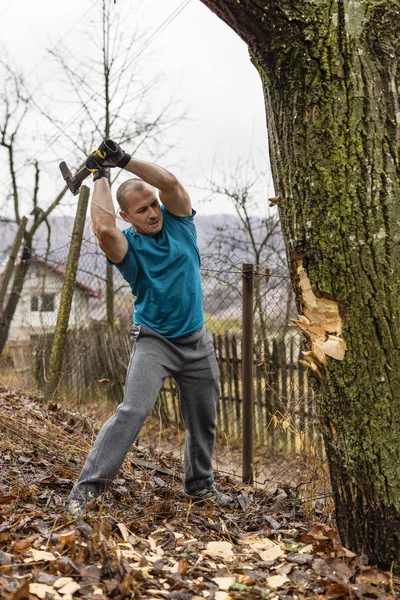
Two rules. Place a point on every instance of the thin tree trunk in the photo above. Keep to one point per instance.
(60, 337)
(20, 274)
(110, 295)
(5, 280)
(107, 134)
(330, 72)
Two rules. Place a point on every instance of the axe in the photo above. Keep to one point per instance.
(74, 182)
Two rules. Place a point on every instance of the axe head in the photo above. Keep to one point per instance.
(74, 182)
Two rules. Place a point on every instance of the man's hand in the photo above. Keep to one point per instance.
(108, 154)
(99, 173)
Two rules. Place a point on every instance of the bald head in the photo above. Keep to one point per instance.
(131, 185)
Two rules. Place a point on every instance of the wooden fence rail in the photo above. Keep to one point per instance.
(284, 408)
(96, 359)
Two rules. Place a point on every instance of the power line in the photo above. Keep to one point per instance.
(155, 33)
(73, 26)
(53, 47)
(6, 9)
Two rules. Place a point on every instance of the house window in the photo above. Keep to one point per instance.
(47, 303)
(42, 303)
(34, 303)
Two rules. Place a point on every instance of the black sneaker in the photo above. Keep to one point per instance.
(79, 503)
(209, 493)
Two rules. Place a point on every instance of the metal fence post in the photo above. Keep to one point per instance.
(247, 373)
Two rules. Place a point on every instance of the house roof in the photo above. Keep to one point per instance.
(59, 271)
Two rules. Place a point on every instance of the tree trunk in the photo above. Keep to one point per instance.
(5, 280)
(330, 73)
(20, 272)
(110, 294)
(64, 311)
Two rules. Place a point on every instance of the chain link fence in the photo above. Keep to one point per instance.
(287, 448)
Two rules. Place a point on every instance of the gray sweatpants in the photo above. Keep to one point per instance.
(191, 362)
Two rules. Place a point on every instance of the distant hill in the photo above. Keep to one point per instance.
(92, 264)
(221, 272)
(61, 229)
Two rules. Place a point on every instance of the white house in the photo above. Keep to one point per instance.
(37, 309)
(36, 315)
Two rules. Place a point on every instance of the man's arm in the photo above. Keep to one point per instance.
(172, 193)
(111, 240)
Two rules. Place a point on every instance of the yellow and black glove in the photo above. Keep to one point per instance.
(108, 155)
(99, 173)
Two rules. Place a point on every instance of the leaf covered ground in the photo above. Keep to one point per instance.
(145, 539)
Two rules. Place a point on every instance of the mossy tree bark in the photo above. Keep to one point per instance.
(64, 310)
(330, 73)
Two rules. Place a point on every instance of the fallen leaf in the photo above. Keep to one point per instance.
(347, 553)
(336, 591)
(7, 498)
(277, 581)
(333, 569)
(24, 544)
(182, 567)
(22, 592)
(372, 576)
(66, 539)
(124, 531)
(90, 575)
(245, 500)
(306, 549)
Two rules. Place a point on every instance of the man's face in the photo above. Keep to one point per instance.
(144, 212)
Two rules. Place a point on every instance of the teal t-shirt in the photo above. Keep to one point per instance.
(164, 274)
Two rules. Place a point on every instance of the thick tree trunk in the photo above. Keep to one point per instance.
(330, 72)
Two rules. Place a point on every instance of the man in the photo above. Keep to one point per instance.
(159, 257)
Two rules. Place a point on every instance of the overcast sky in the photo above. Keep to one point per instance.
(202, 61)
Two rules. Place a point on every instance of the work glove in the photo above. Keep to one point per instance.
(108, 154)
(99, 173)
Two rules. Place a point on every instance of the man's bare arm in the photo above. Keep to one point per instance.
(172, 193)
(111, 240)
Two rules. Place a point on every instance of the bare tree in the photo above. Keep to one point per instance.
(116, 98)
(110, 96)
(251, 237)
(15, 104)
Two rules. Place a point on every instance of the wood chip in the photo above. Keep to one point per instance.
(277, 581)
(220, 549)
(41, 590)
(224, 583)
(272, 553)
